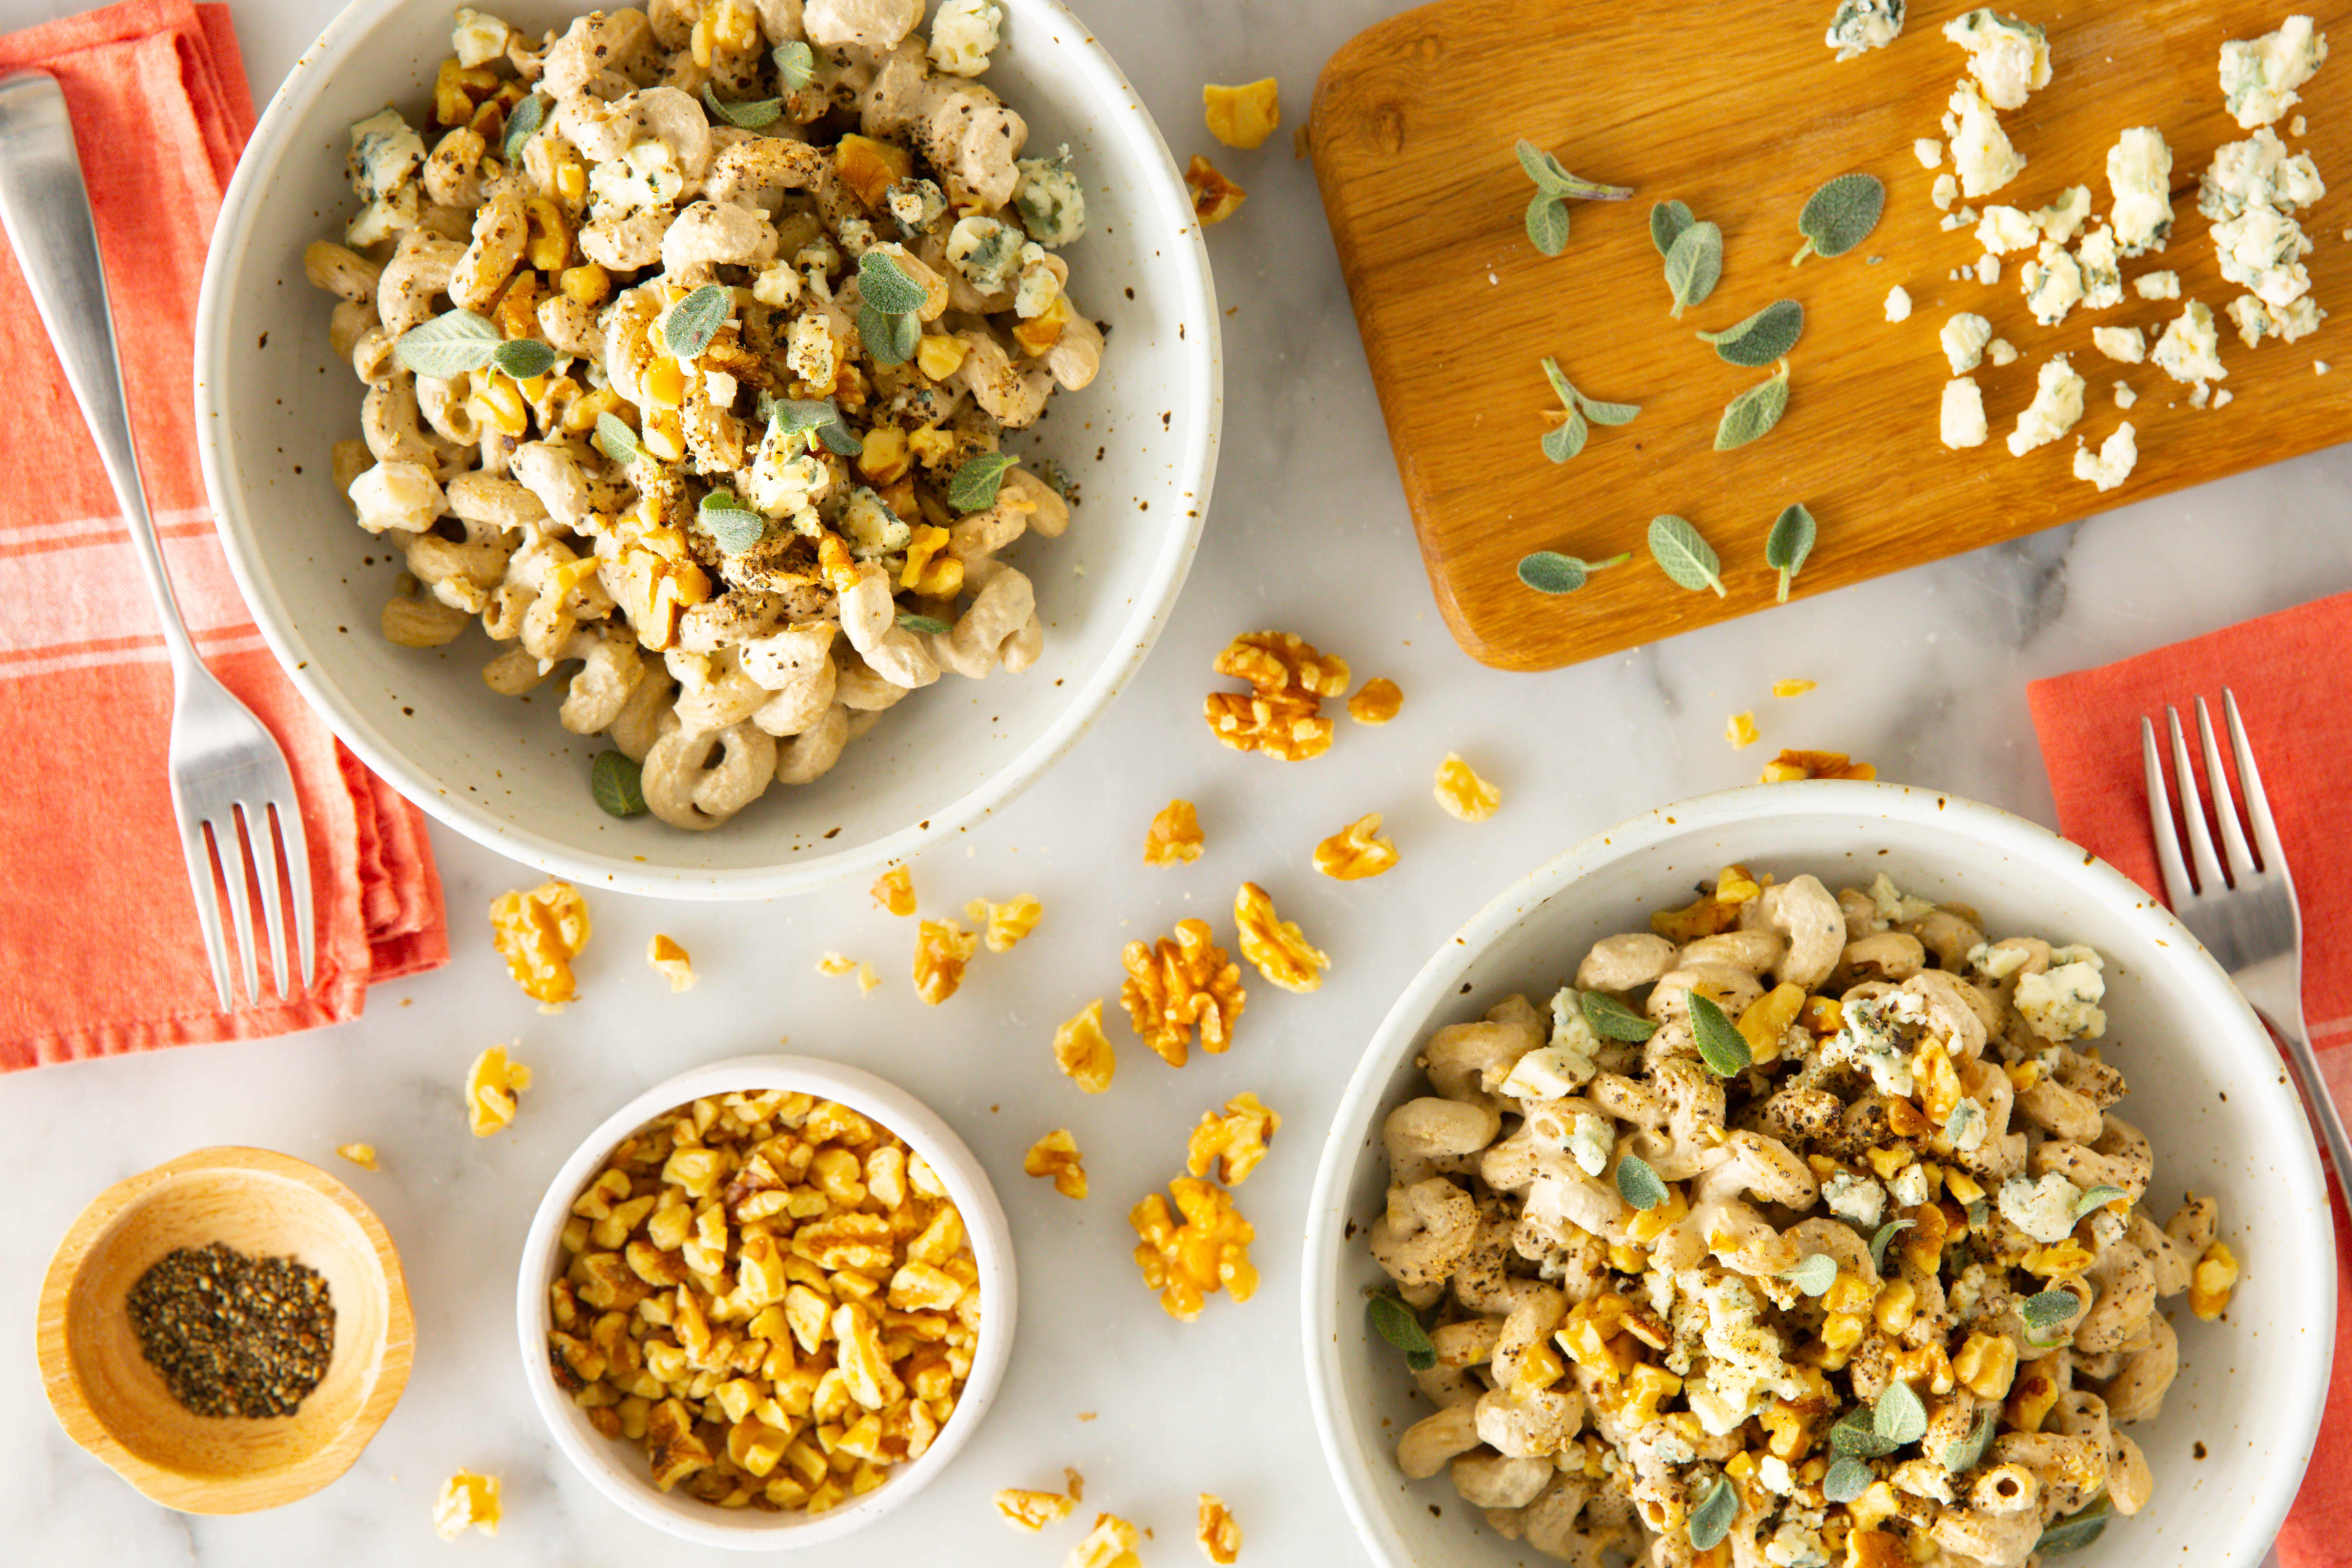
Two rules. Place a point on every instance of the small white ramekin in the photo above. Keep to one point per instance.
(618, 1469)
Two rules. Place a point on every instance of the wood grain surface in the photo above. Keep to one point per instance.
(1736, 108)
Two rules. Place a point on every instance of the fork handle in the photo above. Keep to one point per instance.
(2274, 988)
(45, 210)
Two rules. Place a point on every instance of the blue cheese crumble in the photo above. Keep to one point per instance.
(1963, 338)
(1589, 1142)
(2127, 344)
(1856, 1199)
(2259, 75)
(2008, 57)
(2063, 1003)
(2042, 1209)
(2112, 464)
(915, 204)
(2053, 282)
(2251, 193)
(2139, 175)
(1861, 26)
(1871, 1036)
(1981, 153)
(1961, 419)
(2157, 285)
(2056, 407)
(1894, 905)
(386, 154)
(1052, 206)
(962, 34)
(642, 179)
(986, 251)
(2062, 219)
(2190, 351)
(2101, 270)
(1909, 1187)
(1966, 1126)
(1744, 1359)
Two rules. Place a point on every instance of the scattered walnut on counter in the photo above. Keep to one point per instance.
(1357, 851)
(1174, 837)
(1381, 700)
(894, 889)
(1057, 1156)
(942, 949)
(1083, 1051)
(1219, 1536)
(1006, 923)
(467, 1501)
(1463, 793)
(1214, 197)
(539, 933)
(1281, 714)
(1791, 765)
(1276, 946)
(1032, 1511)
(360, 1155)
(1242, 116)
(1233, 1140)
(1185, 982)
(1208, 1251)
(673, 961)
(1112, 1543)
(1739, 730)
(492, 1085)
(837, 963)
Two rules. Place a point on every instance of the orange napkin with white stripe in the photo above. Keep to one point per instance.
(99, 942)
(2295, 692)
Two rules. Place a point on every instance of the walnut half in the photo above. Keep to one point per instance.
(1357, 851)
(1208, 1251)
(1276, 946)
(1185, 982)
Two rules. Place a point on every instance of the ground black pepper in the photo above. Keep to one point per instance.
(234, 1335)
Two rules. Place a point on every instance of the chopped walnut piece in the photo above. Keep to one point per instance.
(1463, 793)
(1282, 713)
(1233, 1142)
(1083, 1051)
(943, 948)
(1792, 687)
(1220, 1537)
(2211, 1280)
(1184, 981)
(360, 1155)
(1174, 835)
(1740, 730)
(1381, 700)
(1242, 116)
(835, 964)
(1791, 765)
(673, 961)
(539, 933)
(467, 1501)
(1276, 946)
(1006, 923)
(1057, 1156)
(1278, 663)
(1032, 1511)
(1210, 1251)
(895, 890)
(492, 1084)
(1075, 1482)
(1357, 851)
(1214, 197)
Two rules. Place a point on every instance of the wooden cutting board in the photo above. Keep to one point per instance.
(1736, 108)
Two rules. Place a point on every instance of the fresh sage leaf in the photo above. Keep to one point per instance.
(1857, 1435)
(618, 785)
(1753, 412)
(523, 358)
(751, 114)
(617, 440)
(449, 344)
(883, 284)
(1683, 556)
(890, 339)
(1565, 441)
(2048, 1310)
(1885, 1234)
(736, 526)
(1607, 413)
(1898, 1417)
(1611, 1019)
(1711, 1521)
(1786, 547)
(930, 624)
(1550, 571)
(521, 126)
(1847, 1479)
(1962, 1453)
(1554, 180)
(2096, 1198)
(1667, 221)
(694, 320)
(1762, 338)
(1694, 265)
(2077, 1530)
(796, 65)
(1400, 1325)
(1721, 1045)
(1840, 215)
(973, 486)
(1815, 1274)
(1638, 1184)
(818, 417)
(1548, 223)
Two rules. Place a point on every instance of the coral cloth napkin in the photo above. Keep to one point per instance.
(99, 952)
(2295, 690)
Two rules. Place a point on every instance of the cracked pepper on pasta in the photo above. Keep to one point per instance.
(733, 302)
(1802, 1232)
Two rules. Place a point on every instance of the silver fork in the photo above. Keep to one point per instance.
(230, 785)
(2241, 904)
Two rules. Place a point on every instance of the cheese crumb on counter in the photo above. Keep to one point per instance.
(2114, 461)
(2157, 286)
(1964, 338)
(2124, 395)
(2139, 174)
(2125, 343)
(1931, 151)
(2052, 284)
(2056, 407)
(1963, 413)
(1898, 303)
(2190, 350)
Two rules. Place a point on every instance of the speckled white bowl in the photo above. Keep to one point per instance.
(618, 1469)
(2207, 1086)
(1140, 443)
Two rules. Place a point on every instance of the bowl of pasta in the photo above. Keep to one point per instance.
(1830, 1172)
(635, 431)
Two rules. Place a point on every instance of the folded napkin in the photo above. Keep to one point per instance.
(2295, 692)
(98, 940)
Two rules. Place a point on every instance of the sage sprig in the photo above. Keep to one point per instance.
(1611, 1019)
(1847, 1479)
(1711, 1521)
(1555, 188)
(618, 785)
(1789, 544)
(751, 114)
(1840, 215)
(2096, 1198)
(973, 486)
(694, 320)
(727, 519)
(1639, 1184)
(1400, 1325)
(456, 341)
(1683, 556)
(616, 440)
(1899, 1417)
(1754, 411)
(1962, 1453)
(795, 66)
(887, 318)
(1857, 1435)
(1694, 265)
(1762, 338)
(524, 124)
(1667, 221)
(1550, 571)
(1814, 1275)
(2048, 1310)
(1721, 1045)
(1565, 441)
(2077, 1530)
(818, 417)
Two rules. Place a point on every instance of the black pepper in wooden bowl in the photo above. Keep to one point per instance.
(234, 1335)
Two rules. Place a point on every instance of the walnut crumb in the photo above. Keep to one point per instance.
(1381, 700)
(1057, 1156)
(1463, 793)
(1174, 837)
(1357, 851)
(894, 889)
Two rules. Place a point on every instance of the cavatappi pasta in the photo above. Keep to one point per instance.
(1802, 1233)
(795, 280)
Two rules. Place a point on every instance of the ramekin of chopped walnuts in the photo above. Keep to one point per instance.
(766, 1301)
(1816, 1173)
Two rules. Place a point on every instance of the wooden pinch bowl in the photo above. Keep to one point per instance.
(111, 1401)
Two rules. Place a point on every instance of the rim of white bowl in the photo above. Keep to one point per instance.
(617, 1470)
(1155, 170)
(1352, 1468)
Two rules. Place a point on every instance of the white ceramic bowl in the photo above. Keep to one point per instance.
(617, 1468)
(2207, 1086)
(270, 399)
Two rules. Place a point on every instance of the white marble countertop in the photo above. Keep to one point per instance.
(1922, 673)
